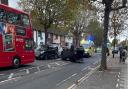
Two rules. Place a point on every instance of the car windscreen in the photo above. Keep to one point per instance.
(85, 46)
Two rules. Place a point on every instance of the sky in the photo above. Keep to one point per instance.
(13, 3)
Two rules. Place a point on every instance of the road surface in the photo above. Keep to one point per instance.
(49, 74)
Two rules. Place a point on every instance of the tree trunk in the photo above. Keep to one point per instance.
(105, 36)
(76, 40)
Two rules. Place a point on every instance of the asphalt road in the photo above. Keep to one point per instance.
(52, 74)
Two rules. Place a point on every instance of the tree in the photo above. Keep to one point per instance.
(114, 41)
(48, 13)
(96, 30)
(85, 12)
(108, 8)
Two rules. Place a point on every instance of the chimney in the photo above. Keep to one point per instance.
(4, 2)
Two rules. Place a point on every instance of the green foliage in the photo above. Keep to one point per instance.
(114, 42)
(50, 13)
(96, 30)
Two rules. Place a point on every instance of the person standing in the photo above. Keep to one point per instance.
(124, 55)
(121, 50)
(107, 51)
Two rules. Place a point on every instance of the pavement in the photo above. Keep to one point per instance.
(116, 77)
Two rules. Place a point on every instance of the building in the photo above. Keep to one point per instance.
(61, 39)
(4, 2)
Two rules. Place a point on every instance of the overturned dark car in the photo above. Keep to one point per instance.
(75, 55)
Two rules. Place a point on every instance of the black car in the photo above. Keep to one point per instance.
(115, 50)
(72, 56)
(45, 53)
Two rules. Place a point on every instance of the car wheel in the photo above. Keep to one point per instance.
(16, 62)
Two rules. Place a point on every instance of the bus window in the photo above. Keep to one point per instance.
(2, 15)
(29, 44)
(25, 20)
(13, 18)
(20, 31)
(8, 43)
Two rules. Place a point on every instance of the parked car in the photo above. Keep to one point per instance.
(57, 47)
(98, 50)
(115, 50)
(44, 53)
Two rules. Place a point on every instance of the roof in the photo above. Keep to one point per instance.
(16, 10)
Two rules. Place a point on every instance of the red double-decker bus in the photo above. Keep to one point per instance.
(16, 37)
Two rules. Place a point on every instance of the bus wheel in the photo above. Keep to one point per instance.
(16, 62)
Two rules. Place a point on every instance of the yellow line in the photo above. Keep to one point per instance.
(78, 82)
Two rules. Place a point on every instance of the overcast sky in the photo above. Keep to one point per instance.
(13, 3)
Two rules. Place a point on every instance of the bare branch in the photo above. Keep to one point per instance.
(118, 8)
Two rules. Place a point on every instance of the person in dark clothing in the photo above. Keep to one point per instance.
(121, 50)
(72, 48)
(107, 51)
(71, 57)
(124, 55)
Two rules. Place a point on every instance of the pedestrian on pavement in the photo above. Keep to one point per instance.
(124, 55)
(72, 54)
(107, 51)
(121, 50)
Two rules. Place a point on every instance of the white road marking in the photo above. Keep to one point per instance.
(85, 68)
(49, 66)
(11, 75)
(87, 75)
(74, 74)
(117, 85)
(118, 80)
(39, 71)
(38, 68)
(118, 76)
(57, 63)
(27, 71)
(1, 82)
(71, 87)
(66, 79)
